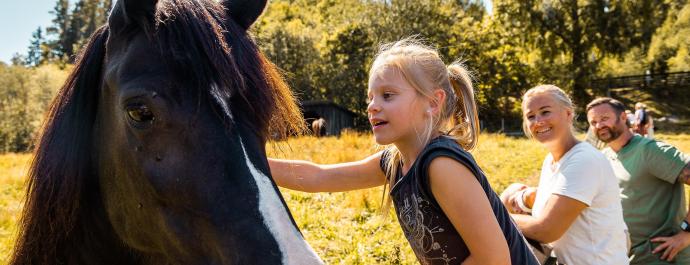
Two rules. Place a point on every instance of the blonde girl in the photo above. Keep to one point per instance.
(576, 208)
(424, 111)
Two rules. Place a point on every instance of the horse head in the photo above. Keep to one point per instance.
(153, 150)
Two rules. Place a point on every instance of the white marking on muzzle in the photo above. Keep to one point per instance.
(294, 248)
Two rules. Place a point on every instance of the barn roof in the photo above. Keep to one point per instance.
(325, 103)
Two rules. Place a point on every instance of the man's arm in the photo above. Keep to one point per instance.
(674, 244)
(685, 174)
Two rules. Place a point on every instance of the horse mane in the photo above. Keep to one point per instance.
(61, 183)
(227, 63)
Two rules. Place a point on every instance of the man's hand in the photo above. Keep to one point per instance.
(684, 175)
(671, 245)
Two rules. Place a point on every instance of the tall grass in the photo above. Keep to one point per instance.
(12, 185)
(343, 227)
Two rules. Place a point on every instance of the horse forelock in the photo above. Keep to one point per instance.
(206, 50)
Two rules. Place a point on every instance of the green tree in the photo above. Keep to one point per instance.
(35, 53)
(73, 35)
(285, 33)
(58, 31)
(502, 75)
(14, 83)
(326, 47)
(575, 35)
(18, 59)
(344, 79)
(670, 46)
(25, 94)
(87, 16)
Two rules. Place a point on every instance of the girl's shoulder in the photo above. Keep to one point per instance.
(444, 142)
(447, 147)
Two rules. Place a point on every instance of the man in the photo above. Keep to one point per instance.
(651, 176)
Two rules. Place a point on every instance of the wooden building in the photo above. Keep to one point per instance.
(336, 117)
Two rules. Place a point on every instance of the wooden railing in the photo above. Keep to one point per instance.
(653, 81)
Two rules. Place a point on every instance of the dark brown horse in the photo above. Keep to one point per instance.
(153, 151)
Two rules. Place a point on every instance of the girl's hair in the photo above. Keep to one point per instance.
(558, 94)
(422, 68)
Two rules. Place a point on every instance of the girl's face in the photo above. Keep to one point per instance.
(547, 120)
(397, 113)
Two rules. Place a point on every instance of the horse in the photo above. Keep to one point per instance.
(318, 127)
(153, 151)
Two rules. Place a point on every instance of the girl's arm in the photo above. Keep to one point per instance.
(464, 202)
(311, 177)
(559, 213)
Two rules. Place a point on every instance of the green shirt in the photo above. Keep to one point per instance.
(653, 201)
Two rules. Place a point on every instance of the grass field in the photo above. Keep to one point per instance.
(343, 228)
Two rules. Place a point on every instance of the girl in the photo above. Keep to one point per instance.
(425, 113)
(576, 207)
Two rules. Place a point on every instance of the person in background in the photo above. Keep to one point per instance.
(640, 119)
(631, 117)
(649, 127)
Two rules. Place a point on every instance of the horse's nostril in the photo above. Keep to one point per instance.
(159, 158)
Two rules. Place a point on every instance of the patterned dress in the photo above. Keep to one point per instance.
(432, 236)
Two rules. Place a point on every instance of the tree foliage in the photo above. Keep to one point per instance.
(576, 35)
(670, 47)
(70, 29)
(25, 94)
(325, 48)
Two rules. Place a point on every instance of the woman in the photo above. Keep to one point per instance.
(576, 208)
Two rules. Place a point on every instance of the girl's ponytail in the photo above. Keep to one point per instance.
(464, 127)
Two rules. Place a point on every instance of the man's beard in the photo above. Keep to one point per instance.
(613, 133)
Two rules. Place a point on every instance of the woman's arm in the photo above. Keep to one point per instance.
(311, 177)
(465, 203)
(559, 213)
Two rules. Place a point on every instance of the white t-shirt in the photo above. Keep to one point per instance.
(599, 234)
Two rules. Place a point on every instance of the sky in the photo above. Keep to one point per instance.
(20, 18)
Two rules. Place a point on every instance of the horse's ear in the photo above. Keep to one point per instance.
(126, 13)
(245, 12)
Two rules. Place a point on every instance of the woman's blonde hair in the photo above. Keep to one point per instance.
(422, 68)
(558, 94)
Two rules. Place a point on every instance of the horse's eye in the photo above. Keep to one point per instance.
(140, 113)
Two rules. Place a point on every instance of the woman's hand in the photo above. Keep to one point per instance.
(514, 194)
